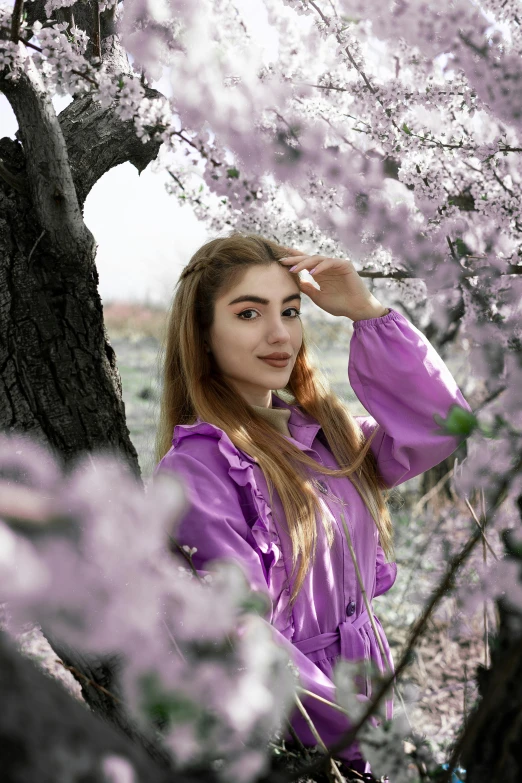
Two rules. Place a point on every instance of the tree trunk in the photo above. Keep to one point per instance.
(48, 736)
(58, 376)
(491, 748)
(59, 382)
(488, 747)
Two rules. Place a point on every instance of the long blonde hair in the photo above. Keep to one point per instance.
(193, 386)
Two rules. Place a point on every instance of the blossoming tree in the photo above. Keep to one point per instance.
(386, 131)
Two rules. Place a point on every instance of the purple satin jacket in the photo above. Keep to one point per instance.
(402, 382)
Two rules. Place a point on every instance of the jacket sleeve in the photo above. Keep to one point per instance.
(385, 573)
(215, 524)
(402, 382)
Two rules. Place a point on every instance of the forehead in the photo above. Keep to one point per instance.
(264, 285)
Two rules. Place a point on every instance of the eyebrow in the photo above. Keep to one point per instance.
(261, 300)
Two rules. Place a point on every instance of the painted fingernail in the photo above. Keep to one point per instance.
(312, 270)
(292, 268)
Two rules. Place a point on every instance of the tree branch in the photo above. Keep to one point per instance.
(97, 140)
(511, 269)
(97, 26)
(97, 32)
(43, 727)
(49, 176)
(16, 19)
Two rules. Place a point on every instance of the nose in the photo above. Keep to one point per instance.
(279, 327)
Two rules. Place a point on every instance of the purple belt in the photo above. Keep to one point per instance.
(351, 643)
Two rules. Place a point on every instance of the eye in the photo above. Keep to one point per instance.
(251, 310)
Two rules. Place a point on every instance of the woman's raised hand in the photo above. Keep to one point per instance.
(342, 292)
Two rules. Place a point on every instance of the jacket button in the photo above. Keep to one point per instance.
(350, 609)
(323, 487)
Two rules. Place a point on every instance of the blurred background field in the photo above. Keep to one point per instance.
(439, 686)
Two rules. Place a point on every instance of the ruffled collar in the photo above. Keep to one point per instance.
(302, 427)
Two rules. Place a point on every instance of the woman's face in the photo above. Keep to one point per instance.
(256, 318)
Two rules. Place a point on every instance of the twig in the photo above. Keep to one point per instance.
(484, 557)
(97, 34)
(452, 249)
(361, 73)
(465, 695)
(297, 740)
(420, 554)
(511, 269)
(484, 539)
(418, 628)
(310, 724)
(399, 696)
(430, 493)
(23, 504)
(477, 717)
(176, 179)
(34, 248)
(483, 52)
(333, 704)
(387, 667)
(174, 642)
(417, 508)
(320, 742)
(78, 73)
(363, 591)
(16, 19)
(187, 557)
(386, 275)
(88, 681)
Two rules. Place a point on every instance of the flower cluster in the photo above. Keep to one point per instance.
(61, 60)
(86, 556)
(52, 5)
(12, 55)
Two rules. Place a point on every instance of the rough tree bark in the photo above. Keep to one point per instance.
(490, 744)
(58, 376)
(48, 736)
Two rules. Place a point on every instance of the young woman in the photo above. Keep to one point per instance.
(268, 477)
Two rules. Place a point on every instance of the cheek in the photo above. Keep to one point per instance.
(235, 345)
(297, 336)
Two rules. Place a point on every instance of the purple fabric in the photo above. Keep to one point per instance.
(401, 381)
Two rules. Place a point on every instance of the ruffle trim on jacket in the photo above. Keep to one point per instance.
(265, 535)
